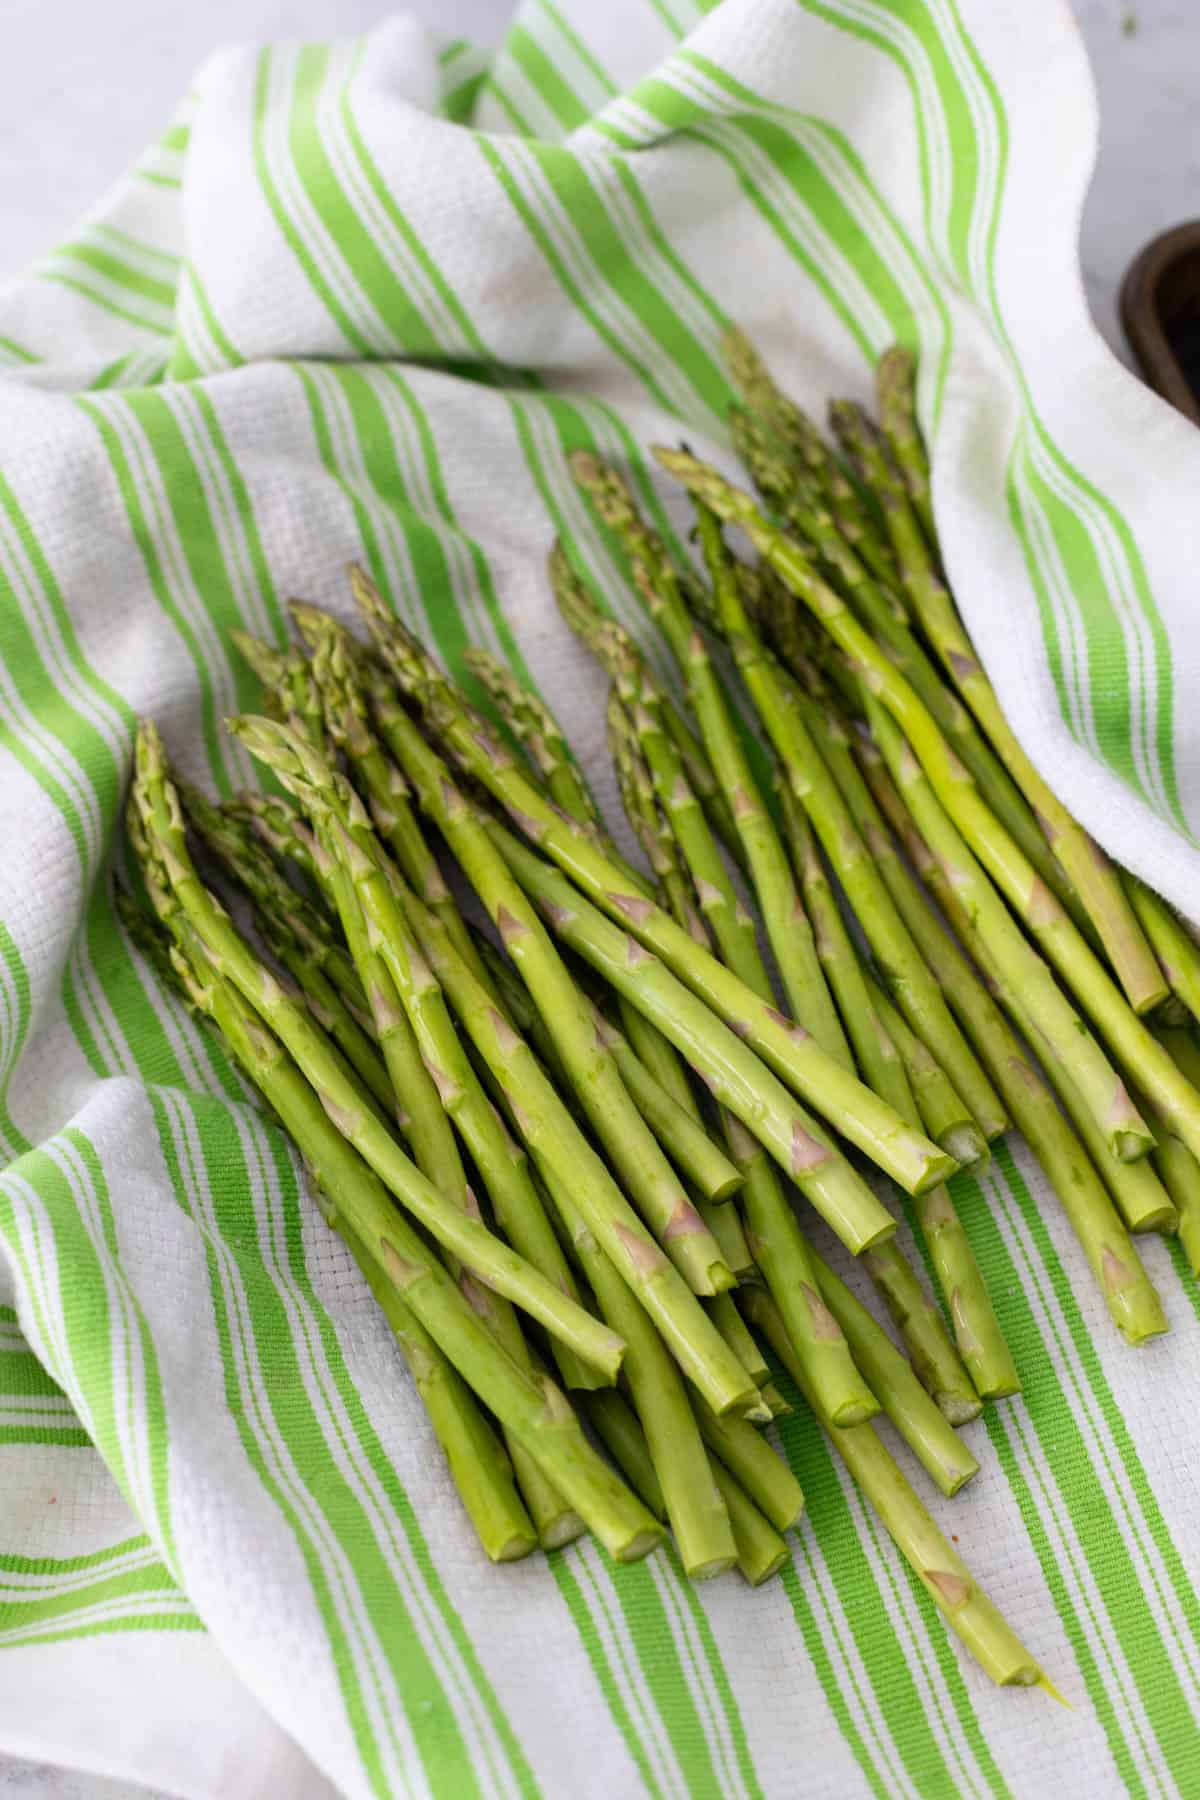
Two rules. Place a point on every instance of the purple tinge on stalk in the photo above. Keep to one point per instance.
(530, 828)
(643, 1254)
(795, 1031)
(511, 929)
(1042, 906)
(506, 1038)
(475, 1294)
(636, 954)
(1116, 1273)
(397, 1269)
(807, 1151)
(824, 1326)
(685, 1221)
(963, 668)
(1122, 1114)
(954, 1589)
(636, 909)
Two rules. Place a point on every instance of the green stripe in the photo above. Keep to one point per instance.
(886, 1659)
(1065, 1453)
(87, 1324)
(540, 72)
(571, 37)
(18, 352)
(15, 1007)
(569, 1571)
(171, 475)
(98, 299)
(228, 1178)
(582, 212)
(121, 273)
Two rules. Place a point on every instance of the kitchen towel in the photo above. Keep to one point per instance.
(360, 302)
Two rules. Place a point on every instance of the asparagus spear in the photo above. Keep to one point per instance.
(541, 737)
(1177, 951)
(616, 1425)
(294, 934)
(1131, 1299)
(917, 1417)
(529, 1406)
(628, 1140)
(944, 1114)
(783, 1255)
(913, 988)
(341, 673)
(1095, 880)
(895, 394)
(491, 1260)
(695, 1509)
(787, 927)
(1176, 1164)
(614, 649)
(908, 1156)
(940, 1570)
(1177, 1101)
(1138, 1193)
(834, 739)
(288, 688)
(810, 455)
(874, 1049)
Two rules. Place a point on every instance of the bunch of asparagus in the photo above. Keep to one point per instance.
(576, 1150)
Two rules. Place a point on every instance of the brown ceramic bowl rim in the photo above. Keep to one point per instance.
(1142, 318)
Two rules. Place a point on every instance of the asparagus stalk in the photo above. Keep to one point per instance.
(280, 825)
(616, 1425)
(1095, 880)
(478, 1466)
(566, 1159)
(614, 649)
(761, 1551)
(787, 926)
(1138, 1193)
(541, 737)
(294, 935)
(895, 394)
(951, 972)
(491, 1260)
(909, 1157)
(810, 455)
(530, 1407)
(677, 1128)
(695, 1509)
(916, 1416)
(288, 689)
(1176, 1164)
(340, 672)
(635, 1152)
(733, 1328)
(945, 1116)
(718, 1055)
(750, 1459)
(1131, 1299)
(940, 1570)
(1174, 1097)
(1177, 950)
(913, 988)
(874, 1048)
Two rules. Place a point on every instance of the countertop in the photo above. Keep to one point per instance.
(63, 140)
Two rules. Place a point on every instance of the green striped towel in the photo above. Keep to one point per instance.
(360, 301)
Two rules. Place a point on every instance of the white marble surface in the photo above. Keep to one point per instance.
(84, 86)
